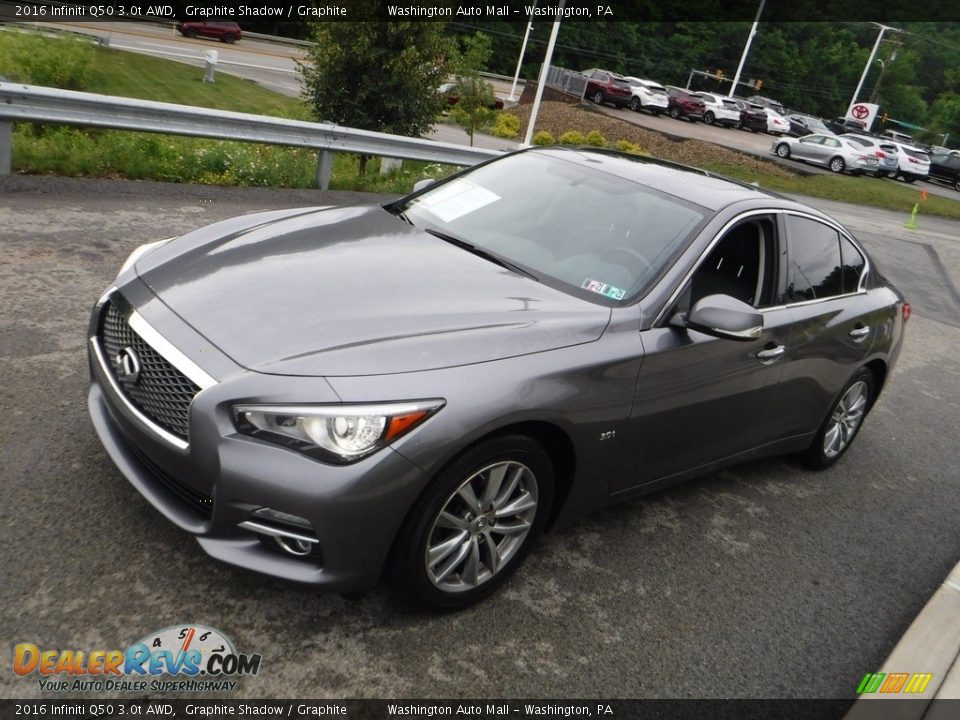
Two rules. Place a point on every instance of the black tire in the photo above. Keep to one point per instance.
(909, 179)
(708, 118)
(881, 174)
(783, 150)
(598, 97)
(675, 112)
(230, 39)
(409, 571)
(956, 184)
(635, 104)
(816, 456)
(191, 33)
(656, 113)
(837, 165)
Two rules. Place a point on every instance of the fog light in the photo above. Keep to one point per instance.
(294, 546)
(282, 517)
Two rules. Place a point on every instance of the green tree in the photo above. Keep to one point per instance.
(475, 95)
(380, 76)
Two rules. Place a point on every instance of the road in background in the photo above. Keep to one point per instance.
(763, 580)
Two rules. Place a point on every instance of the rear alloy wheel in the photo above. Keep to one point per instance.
(635, 104)
(909, 178)
(843, 422)
(191, 33)
(708, 118)
(956, 184)
(475, 524)
(598, 97)
(675, 112)
(837, 165)
(783, 150)
(230, 39)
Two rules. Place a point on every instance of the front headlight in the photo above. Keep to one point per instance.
(335, 433)
(139, 253)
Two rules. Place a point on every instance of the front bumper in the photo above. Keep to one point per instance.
(216, 483)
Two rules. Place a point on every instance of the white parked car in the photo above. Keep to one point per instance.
(720, 110)
(837, 153)
(885, 151)
(913, 164)
(647, 95)
(777, 124)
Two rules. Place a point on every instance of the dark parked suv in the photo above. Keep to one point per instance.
(946, 167)
(604, 86)
(684, 104)
(224, 31)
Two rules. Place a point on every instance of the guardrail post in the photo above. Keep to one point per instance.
(324, 169)
(210, 61)
(6, 146)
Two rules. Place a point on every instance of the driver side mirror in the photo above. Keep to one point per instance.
(724, 317)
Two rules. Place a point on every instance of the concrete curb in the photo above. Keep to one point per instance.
(930, 645)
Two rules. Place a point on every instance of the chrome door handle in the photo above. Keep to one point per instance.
(771, 354)
(860, 333)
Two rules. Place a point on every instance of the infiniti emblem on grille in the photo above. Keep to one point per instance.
(127, 365)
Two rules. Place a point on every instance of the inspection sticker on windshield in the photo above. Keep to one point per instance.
(614, 293)
(456, 199)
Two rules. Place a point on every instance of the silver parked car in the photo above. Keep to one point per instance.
(419, 389)
(837, 153)
(888, 157)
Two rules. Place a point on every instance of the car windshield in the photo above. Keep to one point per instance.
(572, 225)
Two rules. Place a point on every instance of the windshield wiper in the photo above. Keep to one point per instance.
(480, 252)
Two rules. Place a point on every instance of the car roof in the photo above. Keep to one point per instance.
(690, 184)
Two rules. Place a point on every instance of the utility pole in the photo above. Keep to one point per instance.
(866, 68)
(746, 48)
(523, 49)
(543, 75)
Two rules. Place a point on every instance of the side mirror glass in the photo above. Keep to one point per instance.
(723, 316)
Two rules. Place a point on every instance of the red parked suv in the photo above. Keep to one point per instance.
(604, 86)
(223, 30)
(684, 104)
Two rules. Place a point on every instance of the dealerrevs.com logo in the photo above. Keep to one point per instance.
(182, 658)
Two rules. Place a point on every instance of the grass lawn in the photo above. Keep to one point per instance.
(888, 194)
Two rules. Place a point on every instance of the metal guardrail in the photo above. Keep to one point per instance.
(30, 103)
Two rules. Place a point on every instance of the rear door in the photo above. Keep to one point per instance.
(835, 320)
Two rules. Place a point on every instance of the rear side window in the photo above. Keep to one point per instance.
(853, 264)
(814, 263)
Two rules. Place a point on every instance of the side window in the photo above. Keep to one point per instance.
(853, 264)
(832, 142)
(813, 260)
(742, 265)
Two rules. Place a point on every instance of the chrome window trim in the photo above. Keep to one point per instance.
(771, 211)
(163, 347)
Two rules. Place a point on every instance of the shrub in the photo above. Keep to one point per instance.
(627, 146)
(543, 137)
(595, 139)
(572, 137)
(506, 126)
(53, 62)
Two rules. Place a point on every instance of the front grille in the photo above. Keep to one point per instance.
(162, 392)
(192, 498)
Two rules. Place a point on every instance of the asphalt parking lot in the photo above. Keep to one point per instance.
(763, 580)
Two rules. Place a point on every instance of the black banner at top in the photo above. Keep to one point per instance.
(890, 11)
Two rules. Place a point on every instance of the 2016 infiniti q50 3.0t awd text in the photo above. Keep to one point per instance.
(419, 389)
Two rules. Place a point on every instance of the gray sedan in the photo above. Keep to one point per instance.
(837, 153)
(417, 390)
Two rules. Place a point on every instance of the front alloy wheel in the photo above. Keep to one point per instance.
(474, 525)
(837, 165)
(598, 97)
(783, 150)
(843, 423)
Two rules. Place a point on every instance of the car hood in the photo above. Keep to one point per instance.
(356, 291)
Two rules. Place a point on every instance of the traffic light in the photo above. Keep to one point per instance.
(883, 118)
(720, 75)
(759, 84)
